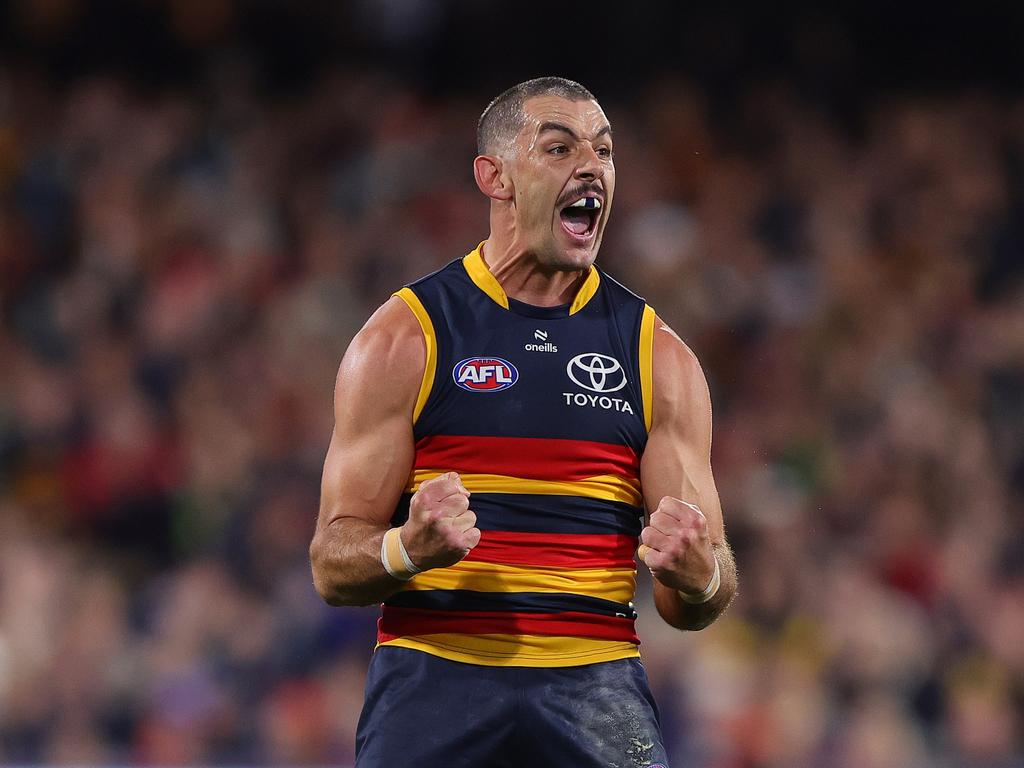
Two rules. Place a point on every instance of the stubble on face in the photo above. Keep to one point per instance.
(552, 167)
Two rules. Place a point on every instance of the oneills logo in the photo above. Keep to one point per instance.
(544, 346)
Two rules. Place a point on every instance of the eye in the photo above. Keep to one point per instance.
(558, 149)
(605, 152)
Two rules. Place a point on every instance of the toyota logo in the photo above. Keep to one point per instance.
(598, 373)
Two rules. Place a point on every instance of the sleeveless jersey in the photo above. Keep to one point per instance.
(544, 412)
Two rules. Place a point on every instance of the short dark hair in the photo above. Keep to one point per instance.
(504, 118)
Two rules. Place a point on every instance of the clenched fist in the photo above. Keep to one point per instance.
(676, 546)
(441, 528)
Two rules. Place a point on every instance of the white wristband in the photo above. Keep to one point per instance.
(394, 558)
(709, 591)
(410, 566)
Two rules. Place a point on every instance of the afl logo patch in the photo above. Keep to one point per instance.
(485, 374)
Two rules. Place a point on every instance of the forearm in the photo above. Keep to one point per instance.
(347, 570)
(682, 615)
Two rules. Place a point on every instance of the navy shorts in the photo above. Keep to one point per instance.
(422, 711)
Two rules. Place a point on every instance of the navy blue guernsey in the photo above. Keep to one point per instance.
(544, 412)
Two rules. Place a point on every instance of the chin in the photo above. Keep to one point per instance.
(573, 256)
(571, 259)
(581, 258)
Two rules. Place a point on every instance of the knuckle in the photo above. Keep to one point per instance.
(455, 508)
(434, 516)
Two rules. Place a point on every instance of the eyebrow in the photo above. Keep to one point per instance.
(552, 126)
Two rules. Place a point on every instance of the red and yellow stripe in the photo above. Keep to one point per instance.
(523, 465)
(590, 566)
(615, 584)
(565, 550)
(532, 457)
(606, 487)
(505, 650)
(404, 622)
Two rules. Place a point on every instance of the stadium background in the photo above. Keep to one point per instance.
(200, 202)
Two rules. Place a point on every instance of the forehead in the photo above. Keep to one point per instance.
(584, 117)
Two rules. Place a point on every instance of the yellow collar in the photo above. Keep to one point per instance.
(481, 276)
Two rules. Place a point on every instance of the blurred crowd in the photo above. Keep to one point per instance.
(180, 275)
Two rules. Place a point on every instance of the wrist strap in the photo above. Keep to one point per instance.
(394, 558)
(709, 591)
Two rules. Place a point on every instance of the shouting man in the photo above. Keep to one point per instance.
(507, 431)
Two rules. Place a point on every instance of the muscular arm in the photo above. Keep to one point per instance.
(676, 468)
(369, 458)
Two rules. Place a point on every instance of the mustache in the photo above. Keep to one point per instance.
(579, 191)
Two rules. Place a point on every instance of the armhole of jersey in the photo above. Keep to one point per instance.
(430, 340)
(647, 364)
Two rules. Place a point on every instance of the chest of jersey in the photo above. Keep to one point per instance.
(535, 372)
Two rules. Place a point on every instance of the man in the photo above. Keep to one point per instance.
(501, 426)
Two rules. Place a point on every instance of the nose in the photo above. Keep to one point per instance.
(590, 167)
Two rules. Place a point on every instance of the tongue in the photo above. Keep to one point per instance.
(577, 222)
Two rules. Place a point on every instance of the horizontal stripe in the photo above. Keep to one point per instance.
(606, 487)
(516, 602)
(555, 514)
(616, 585)
(545, 514)
(572, 550)
(498, 650)
(399, 622)
(526, 457)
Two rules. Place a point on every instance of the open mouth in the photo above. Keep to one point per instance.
(579, 218)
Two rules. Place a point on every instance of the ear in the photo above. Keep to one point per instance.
(491, 178)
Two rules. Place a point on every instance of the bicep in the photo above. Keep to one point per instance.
(677, 459)
(371, 451)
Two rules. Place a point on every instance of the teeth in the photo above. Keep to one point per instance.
(586, 202)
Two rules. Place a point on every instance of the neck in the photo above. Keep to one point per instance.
(524, 278)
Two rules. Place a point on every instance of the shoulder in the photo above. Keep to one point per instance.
(615, 288)
(674, 354)
(392, 333)
(680, 386)
(454, 270)
(385, 359)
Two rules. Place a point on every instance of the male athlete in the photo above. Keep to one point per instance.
(501, 426)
